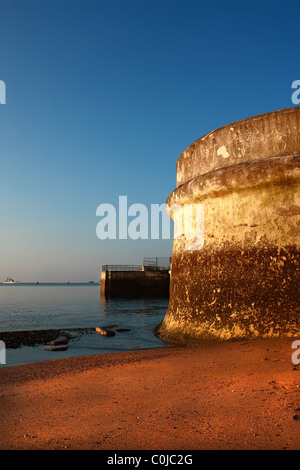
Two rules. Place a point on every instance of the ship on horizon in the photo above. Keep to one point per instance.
(10, 280)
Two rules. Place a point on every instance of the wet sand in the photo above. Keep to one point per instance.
(235, 395)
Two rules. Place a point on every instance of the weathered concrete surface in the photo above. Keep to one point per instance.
(244, 282)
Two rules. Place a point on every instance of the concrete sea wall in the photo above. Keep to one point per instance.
(244, 281)
(134, 284)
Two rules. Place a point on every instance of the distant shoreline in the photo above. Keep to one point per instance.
(32, 283)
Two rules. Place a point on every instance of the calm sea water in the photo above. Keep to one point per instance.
(54, 306)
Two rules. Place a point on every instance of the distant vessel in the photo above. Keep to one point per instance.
(10, 280)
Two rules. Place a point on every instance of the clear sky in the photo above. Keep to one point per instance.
(101, 99)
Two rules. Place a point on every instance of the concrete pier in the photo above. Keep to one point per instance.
(150, 280)
(244, 281)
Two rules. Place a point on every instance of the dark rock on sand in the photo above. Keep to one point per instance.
(104, 331)
(16, 339)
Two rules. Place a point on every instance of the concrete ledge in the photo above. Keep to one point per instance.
(255, 138)
(247, 175)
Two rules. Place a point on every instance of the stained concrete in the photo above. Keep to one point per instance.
(244, 281)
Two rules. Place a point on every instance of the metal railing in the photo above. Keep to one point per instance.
(150, 264)
(124, 267)
(157, 263)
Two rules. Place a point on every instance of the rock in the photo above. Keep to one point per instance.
(104, 331)
(60, 340)
(122, 329)
(57, 347)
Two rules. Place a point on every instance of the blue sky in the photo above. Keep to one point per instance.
(101, 99)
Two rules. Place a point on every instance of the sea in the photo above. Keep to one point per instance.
(28, 306)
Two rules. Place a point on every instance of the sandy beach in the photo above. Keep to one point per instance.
(232, 395)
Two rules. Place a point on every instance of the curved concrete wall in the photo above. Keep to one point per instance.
(255, 138)
(244, 281)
